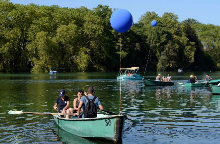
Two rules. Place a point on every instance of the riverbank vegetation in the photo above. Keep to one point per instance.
(34, 38)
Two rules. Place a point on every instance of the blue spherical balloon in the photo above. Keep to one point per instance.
(121, 20)
(154, 23)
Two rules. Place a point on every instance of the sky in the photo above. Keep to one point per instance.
(205, 11)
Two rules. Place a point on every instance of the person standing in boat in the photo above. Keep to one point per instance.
(86, 100)
(207, 78)
(158, 78)
(62, 102)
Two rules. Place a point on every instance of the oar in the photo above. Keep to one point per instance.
(112, 113)
(38, 113)
(107, 112)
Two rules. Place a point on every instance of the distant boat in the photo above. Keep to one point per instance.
(180, 70)
(53, 71)
(157, 83)
(129, 74)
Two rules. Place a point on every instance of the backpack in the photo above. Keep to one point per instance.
(90, 108)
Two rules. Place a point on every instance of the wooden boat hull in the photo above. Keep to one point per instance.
(104, 126)
(215, 89)
(157, 83)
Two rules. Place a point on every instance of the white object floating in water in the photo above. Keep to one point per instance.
(15, 112)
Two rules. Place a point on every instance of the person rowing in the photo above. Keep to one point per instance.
(63, 103)
(192, 79)
(207, 78)
(90, 104)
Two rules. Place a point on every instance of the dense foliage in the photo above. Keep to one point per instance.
(34, 38)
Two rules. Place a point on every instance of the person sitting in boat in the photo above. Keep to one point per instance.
(168, 77)
(165, 79)
(62, 102)
(192, 79)
(162, 78)
(158, 78)
(87, 100)
(207, 78)
(76, 102)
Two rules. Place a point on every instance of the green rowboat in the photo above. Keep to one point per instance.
(215, 89)
(214, 82)
(197, 84)
(157, 83)
(107, 127)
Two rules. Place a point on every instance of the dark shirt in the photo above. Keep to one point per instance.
(77, 103)
(192, 80)
(62, 103)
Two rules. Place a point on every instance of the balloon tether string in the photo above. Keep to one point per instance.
(120, 78)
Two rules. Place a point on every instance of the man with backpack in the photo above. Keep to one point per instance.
(90, 104)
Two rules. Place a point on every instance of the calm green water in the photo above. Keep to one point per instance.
(158, 115)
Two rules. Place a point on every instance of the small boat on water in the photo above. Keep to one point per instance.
(214, 82)
(180, 70)
(157, 83)
(129, 74)
(53, 71)
(216, 89)
(197, 84)
(107, 127)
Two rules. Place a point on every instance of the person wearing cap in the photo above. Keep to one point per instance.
(84, 101)
(158, 77)
(62, 103)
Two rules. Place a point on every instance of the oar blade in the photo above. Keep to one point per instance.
(15, 112)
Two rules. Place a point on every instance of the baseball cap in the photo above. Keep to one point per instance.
(62, 92)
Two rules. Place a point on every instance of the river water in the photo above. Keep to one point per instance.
(157, 115)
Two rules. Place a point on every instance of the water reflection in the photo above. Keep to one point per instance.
(68, 138)
(163, 92)
(131, 87)
(53, 77)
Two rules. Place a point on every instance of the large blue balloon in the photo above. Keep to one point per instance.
(121, 20)
(154, 23)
